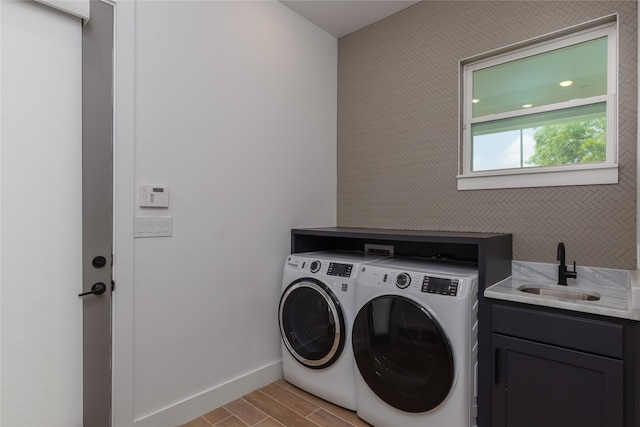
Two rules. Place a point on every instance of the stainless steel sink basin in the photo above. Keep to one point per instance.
(569, 294)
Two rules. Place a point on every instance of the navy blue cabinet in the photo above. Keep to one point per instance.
(556, 368)
(542, 385)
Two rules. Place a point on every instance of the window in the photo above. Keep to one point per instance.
(542, 115)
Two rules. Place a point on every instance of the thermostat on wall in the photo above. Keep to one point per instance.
(152, 196)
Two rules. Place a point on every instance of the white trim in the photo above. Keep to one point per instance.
(602, 30)
(123, 213)
(78, 8)
(201, 403)
(581, 102)
(555, 35)
(529, 178)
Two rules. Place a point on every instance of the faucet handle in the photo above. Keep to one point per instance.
(572, 274)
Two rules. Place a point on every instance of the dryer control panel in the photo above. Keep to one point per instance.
(340, 270)
(440, 286)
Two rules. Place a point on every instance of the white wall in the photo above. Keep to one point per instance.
(40, 176)
(235, 111)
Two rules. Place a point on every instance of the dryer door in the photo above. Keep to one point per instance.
(402, 353)
(312, 323)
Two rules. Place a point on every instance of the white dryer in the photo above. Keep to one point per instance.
(316, 314)
(415, 344)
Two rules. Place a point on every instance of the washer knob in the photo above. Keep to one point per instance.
(315, 266)
(403, 280)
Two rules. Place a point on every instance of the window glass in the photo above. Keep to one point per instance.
(572, 72)
(560, 137)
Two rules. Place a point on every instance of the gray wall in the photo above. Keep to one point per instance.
(398, 132)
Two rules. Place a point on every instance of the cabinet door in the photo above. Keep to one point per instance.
(542, 385)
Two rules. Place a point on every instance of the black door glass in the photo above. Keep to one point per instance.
(402, 354)
(309, 325)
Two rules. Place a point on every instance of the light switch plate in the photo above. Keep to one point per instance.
(153, 226)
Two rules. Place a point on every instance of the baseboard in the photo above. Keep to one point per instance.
(199, 404)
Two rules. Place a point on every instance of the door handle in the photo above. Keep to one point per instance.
(96, 289)
(496, 367)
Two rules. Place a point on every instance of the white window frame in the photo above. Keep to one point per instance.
(543, 176)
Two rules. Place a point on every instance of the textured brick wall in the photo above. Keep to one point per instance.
(398, 132)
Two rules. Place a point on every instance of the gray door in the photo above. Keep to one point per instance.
(97, 134)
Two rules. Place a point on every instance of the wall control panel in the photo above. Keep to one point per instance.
(153, 196)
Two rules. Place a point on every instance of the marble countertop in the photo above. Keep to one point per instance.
(618, 289)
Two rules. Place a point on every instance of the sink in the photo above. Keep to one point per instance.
(557, 292)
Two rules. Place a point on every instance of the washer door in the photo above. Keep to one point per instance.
(312, 323)
(403, 354)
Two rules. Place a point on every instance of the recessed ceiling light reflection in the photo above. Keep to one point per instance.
(527, 105)
(566, 83)
(475, 101)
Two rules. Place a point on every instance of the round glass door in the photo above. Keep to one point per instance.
(403, 354)
(311, 323)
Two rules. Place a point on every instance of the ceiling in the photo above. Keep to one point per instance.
(341, 17)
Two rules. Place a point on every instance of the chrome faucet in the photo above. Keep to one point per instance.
(563, 273)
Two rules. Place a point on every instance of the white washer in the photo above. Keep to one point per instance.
(415, 344)
(316, 314)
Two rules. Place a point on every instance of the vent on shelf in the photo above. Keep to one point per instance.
(373, 249)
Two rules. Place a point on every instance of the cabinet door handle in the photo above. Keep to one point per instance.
(496, 367)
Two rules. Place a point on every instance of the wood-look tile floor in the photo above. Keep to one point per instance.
(279, 404)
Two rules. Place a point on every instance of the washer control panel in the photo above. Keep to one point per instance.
(440, 286)
(340, 270)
